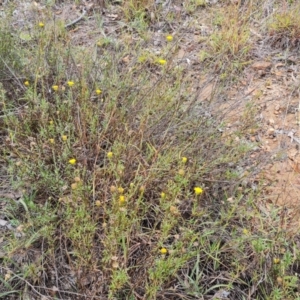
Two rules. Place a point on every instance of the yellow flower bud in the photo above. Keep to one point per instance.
(181, 172)
(122, 199)
(276, 260)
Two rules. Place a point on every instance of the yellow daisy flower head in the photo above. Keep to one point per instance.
(163, 195)
(41, 25)
(163, 251)
(51, 141)
(70, 83)
(110, 155)
(64, 137)
(26, 83)
(72, 161)
(51, 122)
(122, 199)
(55, 88)
(184, 159)
(169, 38)
(198, 190)
(276, 260)
(98, 91)
(162, 61)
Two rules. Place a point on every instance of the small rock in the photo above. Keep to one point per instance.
(271, 122)
(271, 131)
(3, 222)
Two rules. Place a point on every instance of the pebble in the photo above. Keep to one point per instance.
(271, 121)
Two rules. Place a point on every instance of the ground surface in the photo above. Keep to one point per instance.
(270, 82)
(254, 95)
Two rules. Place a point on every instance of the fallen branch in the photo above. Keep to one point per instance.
(76, 20)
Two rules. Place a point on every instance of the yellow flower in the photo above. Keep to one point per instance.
(131, 185)
(55, 88)
(51, 141)
(120, 190)
(122, 199)
(163, 195)
(70, 83)
(276, 260)
(72, 161)
(198, 190)
(184, 159)
(163, 251)
(64, 137)
(98, 203)
(162, 61)
(169, 38)
(98, 91)
(51, 122)
(41, 24)
(110, 155)
(26, 83)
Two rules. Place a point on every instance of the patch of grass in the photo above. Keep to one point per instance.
(124, 194)
(230, 41)
(284, 27)
(192, 6)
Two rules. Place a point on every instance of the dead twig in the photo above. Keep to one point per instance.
(76, 20)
